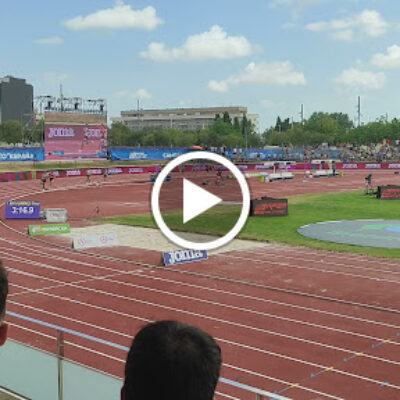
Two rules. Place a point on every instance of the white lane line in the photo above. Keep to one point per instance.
(287, 265)
(249, 372)
(77, 284)
(174, 281)
(298, 386)
(326, 327)
(285, 256)
(278, 355)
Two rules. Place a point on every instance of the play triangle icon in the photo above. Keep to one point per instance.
(196, 200)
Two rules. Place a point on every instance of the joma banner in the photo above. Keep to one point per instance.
(183, 256)
(68, 141)
(22, 209)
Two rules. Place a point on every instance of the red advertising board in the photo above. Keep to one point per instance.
(67, 141)
(268, 207)
(390, 192)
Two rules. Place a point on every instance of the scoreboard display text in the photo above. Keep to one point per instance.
(22, 209)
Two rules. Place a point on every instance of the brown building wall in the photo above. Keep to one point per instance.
(74, 118)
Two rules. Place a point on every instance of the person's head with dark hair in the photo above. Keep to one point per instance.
(170, 360)
(3, 298)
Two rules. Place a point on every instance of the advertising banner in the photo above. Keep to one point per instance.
(126, 154)
(21, 154)
(75, 141)
(102, 240)
(22, 209)
(183, 256)
(269, 207)
(389, 192)
(58, 215)
(51, 229)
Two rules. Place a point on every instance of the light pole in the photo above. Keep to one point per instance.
(244, 121)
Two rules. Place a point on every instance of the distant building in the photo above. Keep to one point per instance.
(184, 119)
(16, 100)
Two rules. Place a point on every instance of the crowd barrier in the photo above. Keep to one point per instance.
(41, 375)
(140, 153)
(21, 154)
(244, 167)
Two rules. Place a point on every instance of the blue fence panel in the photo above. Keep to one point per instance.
(140, 153)
(21, 154)
(126, 154)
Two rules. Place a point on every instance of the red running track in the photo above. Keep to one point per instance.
(309, 324)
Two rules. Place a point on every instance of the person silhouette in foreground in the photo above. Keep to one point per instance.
(3, 298)
(170, 360)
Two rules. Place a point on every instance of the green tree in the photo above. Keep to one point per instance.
(11, 132)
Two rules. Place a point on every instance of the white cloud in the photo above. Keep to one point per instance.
(368, 22)
(216, 86)
(274, 73)
(212, 44)
(389, 60)
(142, 94)
(357, 78)
(54, 40)
(121, 16)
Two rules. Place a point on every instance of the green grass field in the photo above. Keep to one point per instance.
(303, 209)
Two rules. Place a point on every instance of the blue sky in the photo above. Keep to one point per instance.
(269, 55)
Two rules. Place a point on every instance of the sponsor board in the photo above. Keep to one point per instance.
(135, 170)
(168, 156)
(73, 172)
(22, 209)
(388, 192)
(101, 240)
(51, 229)
(269, 207)
(58, 215)
(373, 166)
(349, 166)
(95, 171)
(255, 174)
(394, 166)
(72, 141)
(115, 171)
(136, 155)
(183, 256)
(17, 154)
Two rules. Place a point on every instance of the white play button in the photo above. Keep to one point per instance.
(196, 200)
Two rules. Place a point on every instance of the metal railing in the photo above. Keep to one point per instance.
(60, 354)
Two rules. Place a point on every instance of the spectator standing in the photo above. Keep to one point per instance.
(170, 360)
(3, 298)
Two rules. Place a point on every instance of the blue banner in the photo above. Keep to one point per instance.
(183, 256)
(22, 209)
(140, 153)
(21, 154)
(271, 154)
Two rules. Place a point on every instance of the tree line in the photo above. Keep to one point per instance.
(14, 132)
(331, 128)
(223, 132)
(321, 127)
